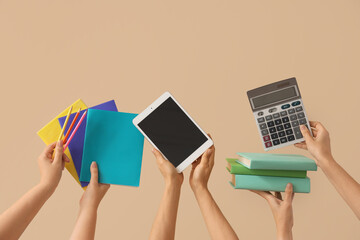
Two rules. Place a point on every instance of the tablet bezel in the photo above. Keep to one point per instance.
(192, 157)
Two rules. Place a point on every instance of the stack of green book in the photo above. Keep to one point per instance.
(270, 172)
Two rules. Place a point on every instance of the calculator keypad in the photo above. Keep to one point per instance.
(283, 126)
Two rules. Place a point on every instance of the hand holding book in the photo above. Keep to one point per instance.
(282, 210)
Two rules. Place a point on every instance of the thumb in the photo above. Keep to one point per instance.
(94, 173)
(205, 158)
(306, 134)
(59, 151)
(158, 155)
(288, 193)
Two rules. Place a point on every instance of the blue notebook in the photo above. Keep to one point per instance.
(269, 183)
(77, 144)
(114, 143)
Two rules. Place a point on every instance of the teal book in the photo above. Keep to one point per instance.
(237, 168)
(114, 143)
(268, 183)
(276, 161)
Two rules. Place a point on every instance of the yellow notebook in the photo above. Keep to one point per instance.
(50, 133)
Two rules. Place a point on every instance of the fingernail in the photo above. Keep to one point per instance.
(302, 127)
(59, 143)
(209, 151)
(288, 185)
(94, 165)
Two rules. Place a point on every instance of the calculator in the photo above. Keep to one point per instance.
(279, 111)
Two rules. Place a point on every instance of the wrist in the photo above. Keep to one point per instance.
(200, 189)
(284, 234)
(89, 207)
(173, 184)
(325, 162)
(46, 189)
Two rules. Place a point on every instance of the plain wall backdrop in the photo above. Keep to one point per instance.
(207, 53)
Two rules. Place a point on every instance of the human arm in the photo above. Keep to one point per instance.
(165, 220)
(217, 225)
(15, 220)
(86, 223)
(320, 148)
(281, 210)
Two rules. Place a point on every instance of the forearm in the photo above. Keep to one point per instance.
(346, 186)
(14, 220)
(165, 221)
(85, 225)
(217, 225)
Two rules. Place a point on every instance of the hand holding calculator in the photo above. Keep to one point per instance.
(279, 112)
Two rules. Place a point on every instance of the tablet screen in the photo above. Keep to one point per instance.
(172, 131)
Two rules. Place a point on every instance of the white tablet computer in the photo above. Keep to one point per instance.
(172, 131)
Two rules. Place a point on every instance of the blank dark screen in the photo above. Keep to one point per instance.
(274, 97)
(172, 131)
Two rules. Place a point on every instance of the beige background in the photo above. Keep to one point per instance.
(208, 54)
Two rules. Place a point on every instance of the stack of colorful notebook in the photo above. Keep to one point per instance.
(270, 172)
(100, 134)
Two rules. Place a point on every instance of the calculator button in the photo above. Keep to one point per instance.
(266, 138)
(291, 111)
(295, 103)
(274, 135)
(282, 134)
(297, 133)
(277, 121)
(260, 120)
(285, 106)
(302, 121)
(283, 140)
(295, 123)
(276, 142)
(270, 124)
(287, 125)
(280, 128)
(264, 132)
(285, 119)
(268, 144)
(301, 115)
(289, 132)
(291, 138)
(276, 115)
(272, 130)
(262, 126)
(283, 113)
(299, 109)
(293, 117)
(271, 110)
(268, 118)
(260, 113)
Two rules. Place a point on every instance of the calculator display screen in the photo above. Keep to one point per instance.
(274, 97)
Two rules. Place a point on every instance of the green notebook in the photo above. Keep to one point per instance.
(267, 183)
(276, 161)
(237, 168)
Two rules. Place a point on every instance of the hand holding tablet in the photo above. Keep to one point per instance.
(170, 129)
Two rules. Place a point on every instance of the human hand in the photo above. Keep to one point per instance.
(168, 170)
(319, 145)
(95, 191)
(51, 168)
(281, 209)
(201, 169)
